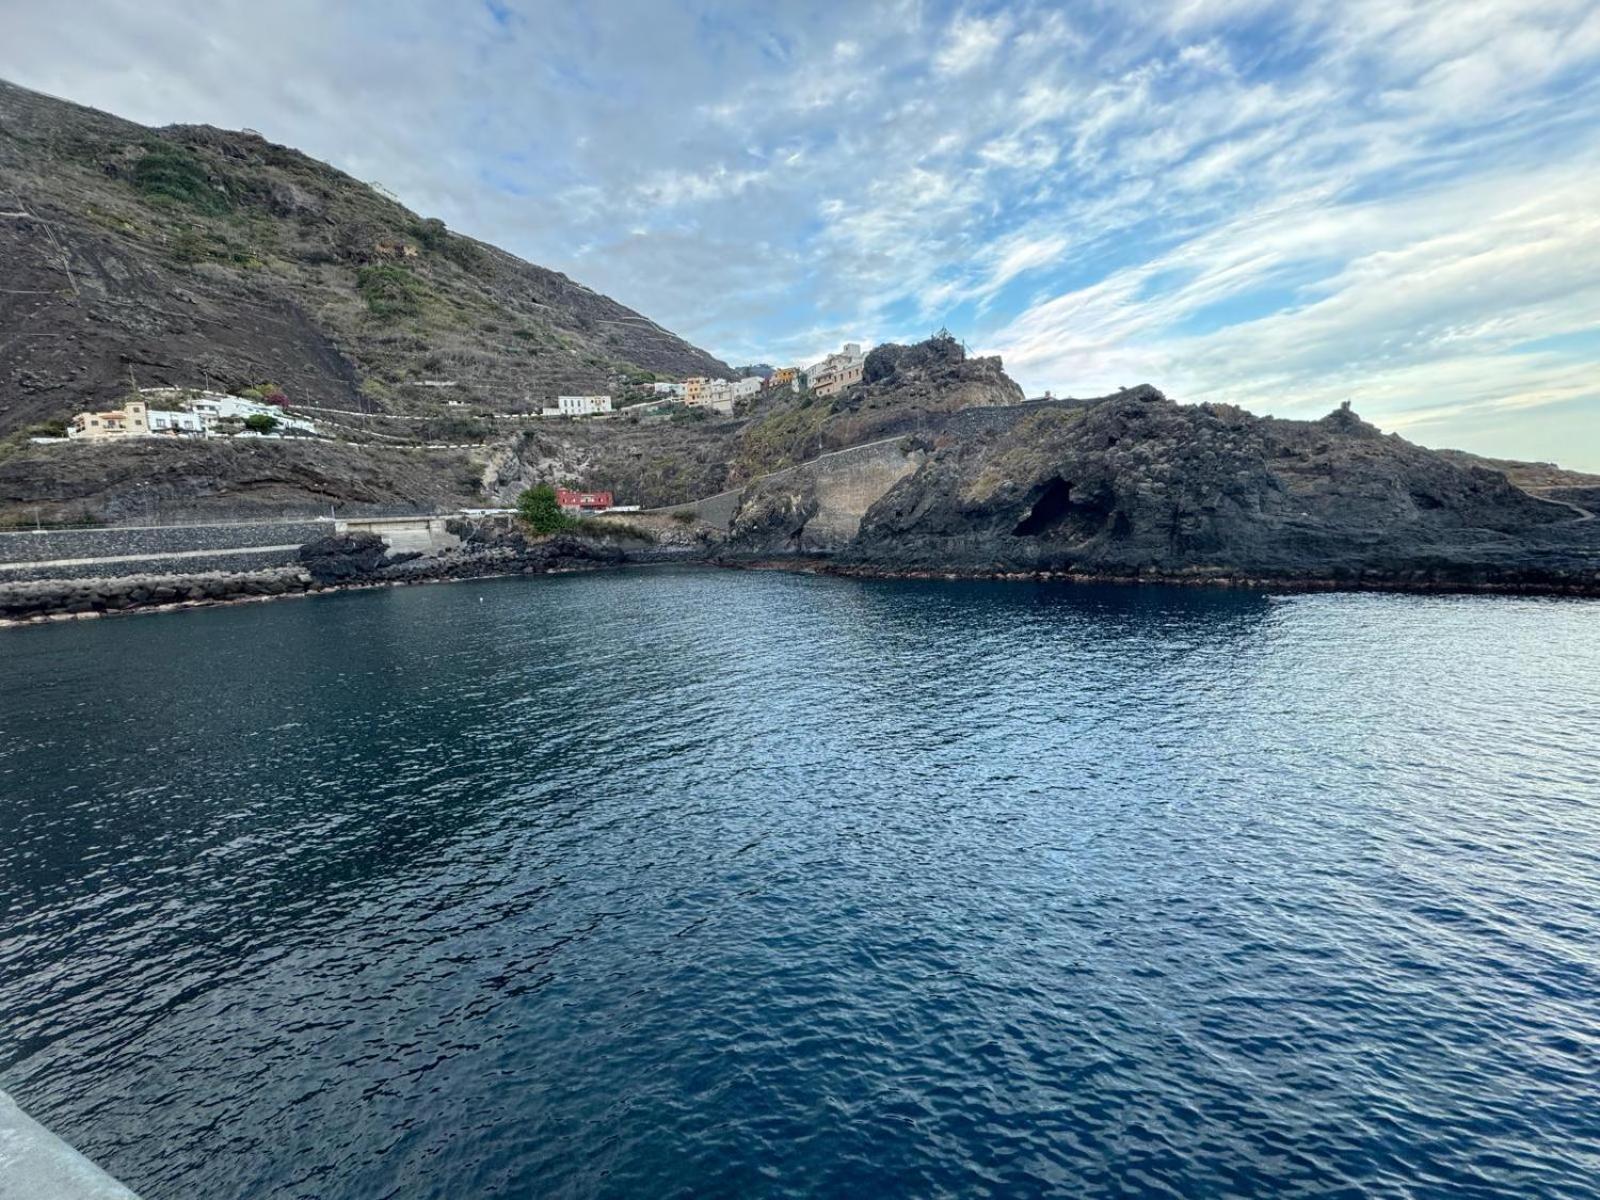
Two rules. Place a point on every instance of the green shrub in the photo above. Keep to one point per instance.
(431, 233)
(539, 511)
(187, 246)
(389, 291)
(453, 428)
(170, 173)
(260, 423)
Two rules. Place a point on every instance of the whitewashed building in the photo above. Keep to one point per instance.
(177, 424)
(582, 406)
(215, 408)
(180, 412)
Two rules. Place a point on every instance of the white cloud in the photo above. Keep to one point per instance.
(971, 43)
(1419, 316)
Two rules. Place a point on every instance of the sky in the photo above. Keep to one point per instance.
(1282, 205)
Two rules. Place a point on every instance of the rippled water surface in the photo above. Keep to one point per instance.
(685, 883)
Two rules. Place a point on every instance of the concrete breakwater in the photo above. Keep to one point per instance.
(38, 599)
(327, 563)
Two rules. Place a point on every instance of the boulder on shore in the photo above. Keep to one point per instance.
(342, 557)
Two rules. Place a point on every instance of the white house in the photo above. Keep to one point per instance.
(177, 424)
(214, 407)
(582, 406)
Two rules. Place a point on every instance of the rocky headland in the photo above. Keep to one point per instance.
(1135, 486)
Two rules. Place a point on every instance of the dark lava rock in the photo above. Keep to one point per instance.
(1137, 485)
(891, 359)
(344, 557)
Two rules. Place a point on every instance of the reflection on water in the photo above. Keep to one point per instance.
(688, 883)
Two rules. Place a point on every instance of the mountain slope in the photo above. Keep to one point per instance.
(188, 254)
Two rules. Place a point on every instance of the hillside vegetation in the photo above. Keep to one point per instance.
(187, 255)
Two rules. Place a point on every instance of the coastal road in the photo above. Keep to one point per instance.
(157, 554)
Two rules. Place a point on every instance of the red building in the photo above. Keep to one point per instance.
(583, 501)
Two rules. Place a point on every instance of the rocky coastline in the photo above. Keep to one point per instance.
(1137, 488)
(1129, 489)
(336, 563)
(352, 562)
(1420, 583)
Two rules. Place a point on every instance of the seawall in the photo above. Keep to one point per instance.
(102, 553)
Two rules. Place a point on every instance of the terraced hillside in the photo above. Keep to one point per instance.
(190, 254)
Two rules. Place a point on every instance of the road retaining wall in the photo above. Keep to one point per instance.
(56, 545)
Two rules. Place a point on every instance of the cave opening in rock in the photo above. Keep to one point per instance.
(1055, 510)
(1050, 508)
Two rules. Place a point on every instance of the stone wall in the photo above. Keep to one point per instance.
(247, 559)
(152, 541)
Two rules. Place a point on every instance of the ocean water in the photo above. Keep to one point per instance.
(692, 883)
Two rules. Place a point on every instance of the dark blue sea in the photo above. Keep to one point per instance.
(680, 883)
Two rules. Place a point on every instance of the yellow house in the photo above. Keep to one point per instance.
(131, 420)
(696, 390)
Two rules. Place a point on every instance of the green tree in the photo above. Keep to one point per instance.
(260, 423)
(537, 506)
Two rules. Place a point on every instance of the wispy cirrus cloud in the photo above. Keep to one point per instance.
(1283, 205)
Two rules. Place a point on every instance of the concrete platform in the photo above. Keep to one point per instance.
(37, 1165)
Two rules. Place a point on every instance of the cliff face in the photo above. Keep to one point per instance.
(818, 507)
(189, 254)
(1136, 484)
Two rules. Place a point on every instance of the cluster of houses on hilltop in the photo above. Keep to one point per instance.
(185, 412)
(833, 374)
